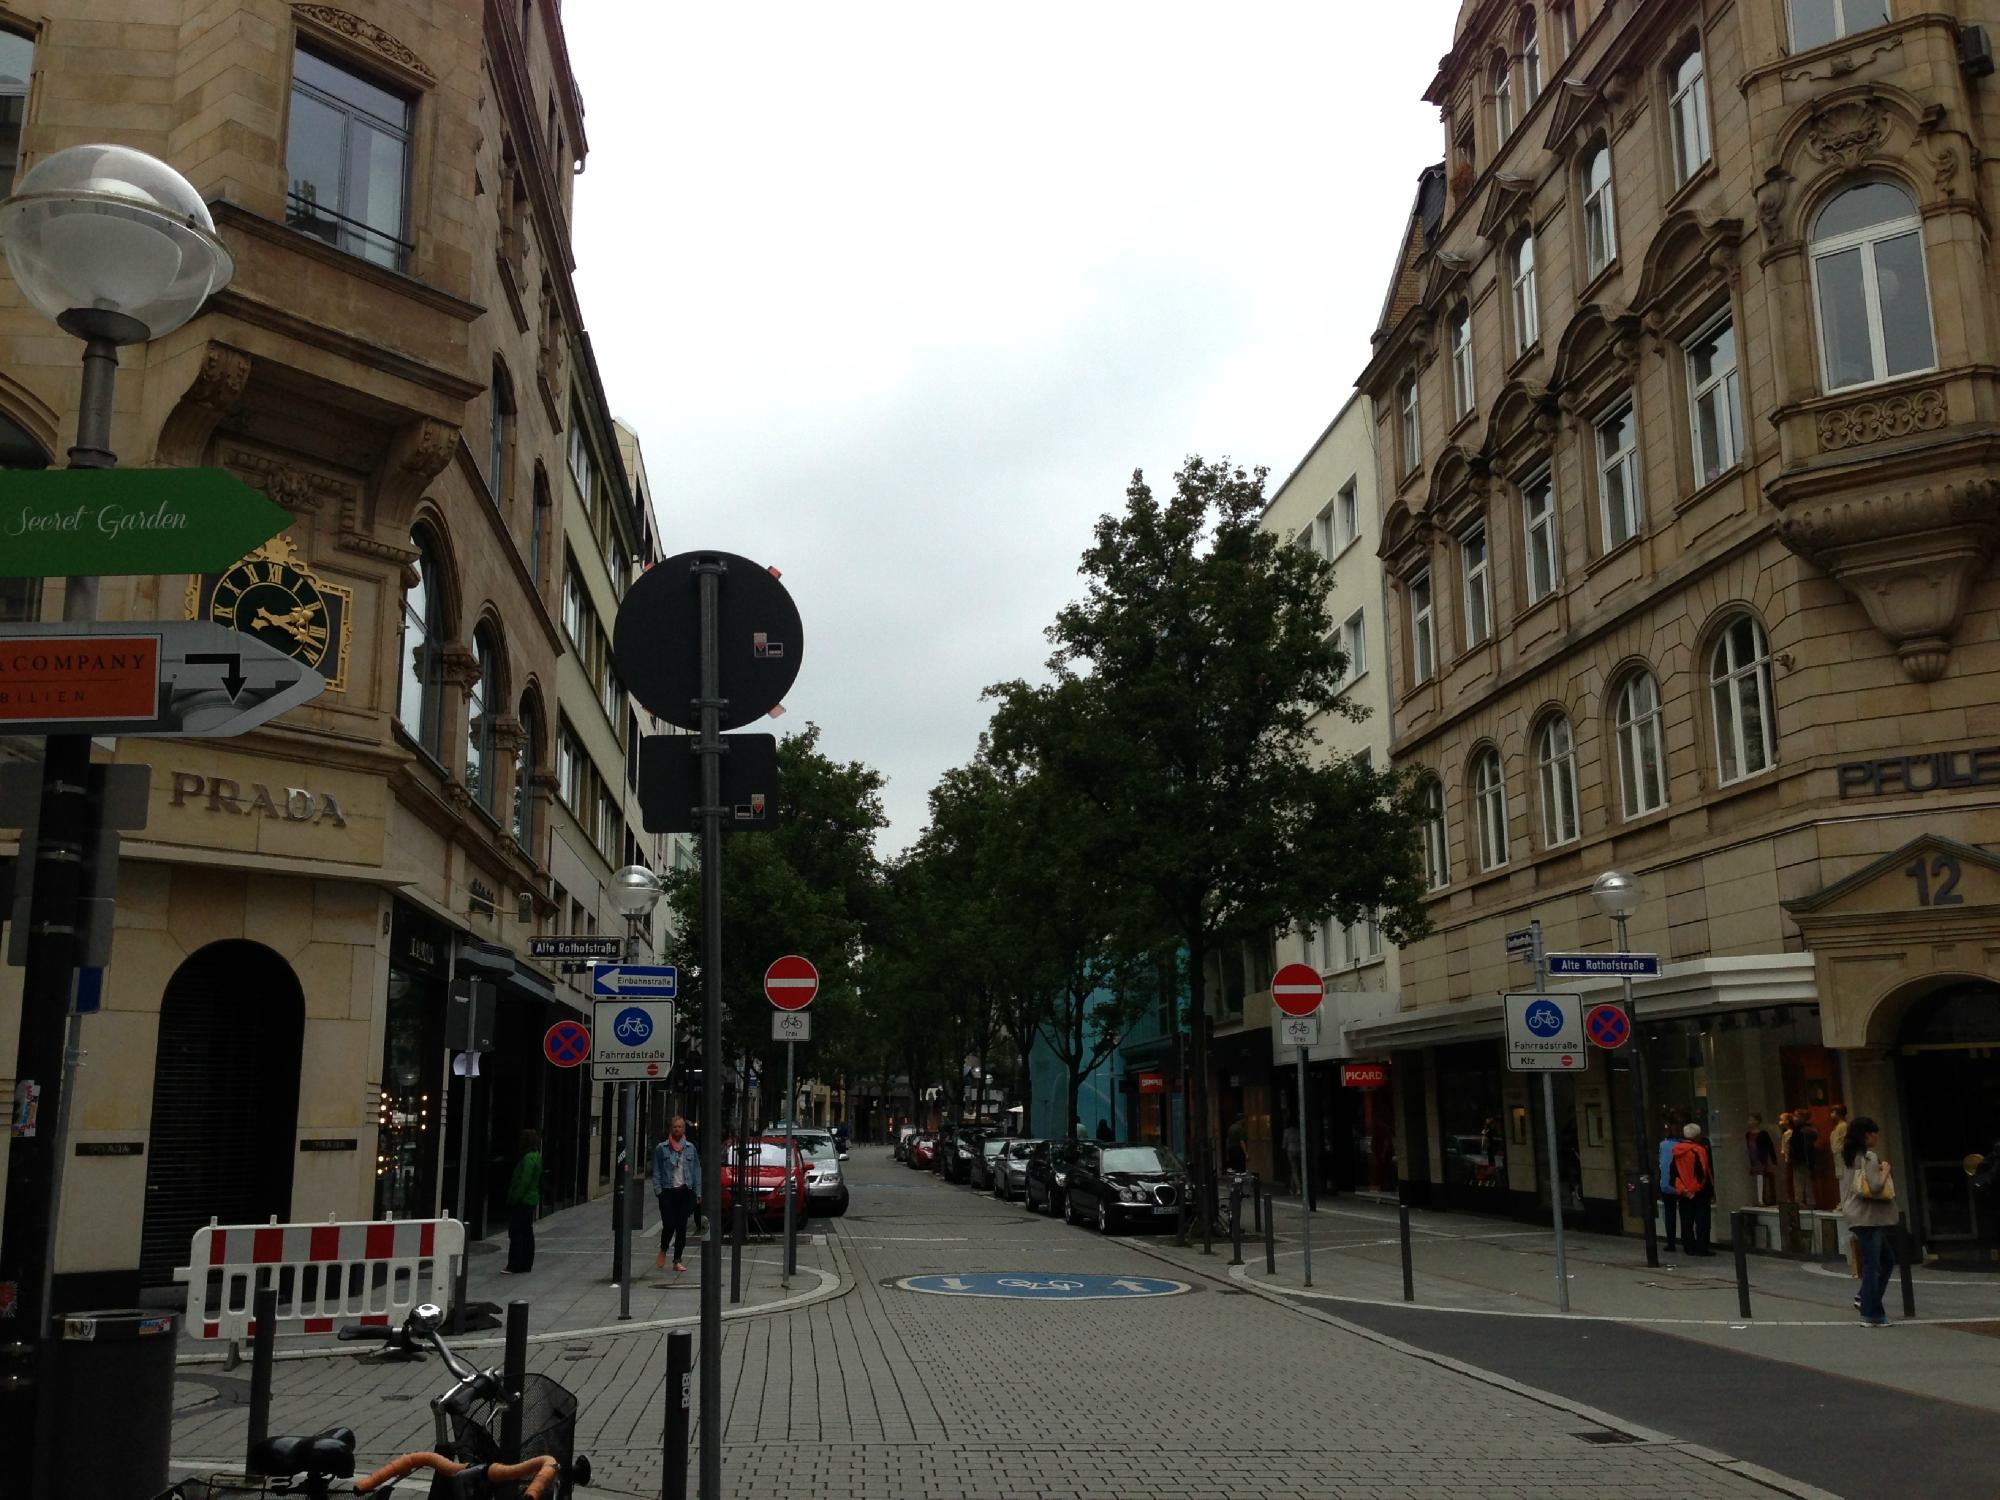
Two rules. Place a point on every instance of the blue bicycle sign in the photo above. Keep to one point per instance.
(1544, 1019)
(633, 1026)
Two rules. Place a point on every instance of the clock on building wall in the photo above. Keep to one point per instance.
(273, 595)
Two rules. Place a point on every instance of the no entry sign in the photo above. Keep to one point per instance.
(791, 982)
(1297, 989)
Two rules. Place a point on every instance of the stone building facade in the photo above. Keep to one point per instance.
(397, 363)
(1685, 402)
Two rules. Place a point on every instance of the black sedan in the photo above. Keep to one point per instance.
(1046, 1181)
(965, 1148)
(1114, 1185)
(987, 1162)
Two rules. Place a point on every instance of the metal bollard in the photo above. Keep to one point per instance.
(1904, 1246)
(263, 1345)
(1270, 1241)
(1739, 1242)
(513, 1379)
(1236, 1227)
(739, 1224)
(1409, 1269)
(1257, 1196)
(1208, 1215)
(680, 1397)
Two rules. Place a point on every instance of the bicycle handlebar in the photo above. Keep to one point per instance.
(452, 1362)
(540, 1471)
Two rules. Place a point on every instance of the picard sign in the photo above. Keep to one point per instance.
(1927, 771)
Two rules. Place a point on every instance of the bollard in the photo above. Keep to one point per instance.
(680, 1395)
(1904, 1246)
(1403, 1234)
(1270, 1240)
(263, 1345)
(1257, 1198)
(1739, 1243)
(1236, 1228)
(513, 1379)
(739, 1225)
(1208, 1215)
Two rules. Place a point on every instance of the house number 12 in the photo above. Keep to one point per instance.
(1946, 894)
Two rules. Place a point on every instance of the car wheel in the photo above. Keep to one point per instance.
(1103, 1217)
(840, 1205)
(1069, 1209)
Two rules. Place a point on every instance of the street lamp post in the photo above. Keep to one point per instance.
(1617, 897)
(635, 891)
(116, 248)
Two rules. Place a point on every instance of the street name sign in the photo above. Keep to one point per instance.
(1521, 943)
(163, 678)
(1297, 989)
(632, 1041)
(1599, 965)
(576, 947)
(111, 522)
(1545, 1034)
(791, 1025)
(662, 980)
(656, 639)
(791, 982)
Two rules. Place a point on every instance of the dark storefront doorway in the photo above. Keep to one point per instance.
(1950, 1064)
(412, 1102)
(225, 1100)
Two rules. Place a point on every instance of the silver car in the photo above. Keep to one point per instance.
(1010, 1171)
(826, 1185)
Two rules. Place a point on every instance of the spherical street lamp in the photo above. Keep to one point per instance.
(1616, 895)
(635, 890)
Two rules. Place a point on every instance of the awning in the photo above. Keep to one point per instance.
(516, 980)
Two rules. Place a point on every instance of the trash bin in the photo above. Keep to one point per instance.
(129, 1351)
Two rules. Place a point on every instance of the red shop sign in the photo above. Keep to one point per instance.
(1364, 1075)
(1152, 1083)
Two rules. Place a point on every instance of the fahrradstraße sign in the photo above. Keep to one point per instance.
(631, 1041)
(1545, 1034)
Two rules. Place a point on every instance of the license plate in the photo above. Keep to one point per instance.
(1163, 1210)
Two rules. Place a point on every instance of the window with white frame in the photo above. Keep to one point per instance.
(1409, 429)
(1600, 214)
(1474, 566)
(1347, 513)
(1739, 679)
(1642, 752)
(1543, 563)
(1555, 760)
(1362, 941)
(1354, 645)
(1462, 395)
(1503, 100)
(1437, 864)
(1715, 404)
(1489, 809)
(1423, 639)
(1564, 16)
(1321, 533)
(1527, 310)
(1531, 62)
(1618, 474)
(1869, 284)
(1688, 109)
(1817, 22)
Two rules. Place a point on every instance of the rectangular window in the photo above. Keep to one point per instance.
(1689, 108)
(1354, 645)
(569, 767)
(1423, 644)
(1538, 519)
(1472, 562)
(347, 156)
(1411, 433)
(17, 66)
(1322, 534)
(1565, 16)
(1817, 22)
(1618, 475)
(1715, 406)
(1600, 212)
(1347, 513)
(1462, 393)
(582, 463)
(577, 614)
(20, 599)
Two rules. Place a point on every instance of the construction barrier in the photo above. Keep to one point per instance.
(324, 1274)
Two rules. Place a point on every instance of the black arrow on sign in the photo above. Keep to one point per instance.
(233, 679)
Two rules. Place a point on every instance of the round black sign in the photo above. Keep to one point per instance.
(657, 639)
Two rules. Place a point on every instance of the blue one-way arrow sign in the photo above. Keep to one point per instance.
(1573, 965)
(659, 980)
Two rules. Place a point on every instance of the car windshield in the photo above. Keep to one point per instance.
(766, 1154)
(1062, 1156)
(994, 1147)
(1139, 1159)
(818, 1148)
(1022, 1148)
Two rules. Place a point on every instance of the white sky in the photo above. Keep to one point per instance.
(898, 295)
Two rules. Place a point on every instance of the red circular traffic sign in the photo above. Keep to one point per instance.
(791, 982)
(1297, 989)
(566, 1043)
(1607, 1026)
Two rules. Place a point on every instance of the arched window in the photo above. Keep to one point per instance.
(482, 769)
(420, 694)
(1555, 759)
(1462, 394)
(1642, 751)
(1688, 107)
(1503, 101)
(1868, 274)
(1527, 310)
(1739, 679)
(500, 419)
(1437, 861)
(526, 764)
(1531, 62)
(1409, 427)
(1489, 809)
(1600, 216)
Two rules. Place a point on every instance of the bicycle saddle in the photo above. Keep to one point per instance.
(324, 1455)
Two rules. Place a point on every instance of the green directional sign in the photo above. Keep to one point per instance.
(57, 523)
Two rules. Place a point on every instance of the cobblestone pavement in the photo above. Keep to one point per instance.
(887, 1393)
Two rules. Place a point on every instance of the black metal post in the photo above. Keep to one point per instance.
(680, 1361)
(1739, 1242)
(513, 1380)
(1270, 1239)
(739, 1225)
(619, 1147)
(1235, 1225)
(1645, 1151)
(263, 1345)
(1257, 1198)
(1409, 1267)
(1904, 1246)
(710, 749)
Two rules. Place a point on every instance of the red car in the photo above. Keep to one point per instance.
(763, 1163)
(922, 1151)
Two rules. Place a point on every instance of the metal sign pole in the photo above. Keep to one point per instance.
(1644, 1150)
(629, 1093)
(710, 750)
(1305, 1174)
(1555, 1158)
(791, 1108)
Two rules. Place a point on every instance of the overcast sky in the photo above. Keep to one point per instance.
(898, 296)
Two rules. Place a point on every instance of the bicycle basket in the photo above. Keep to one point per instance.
(548, 1425)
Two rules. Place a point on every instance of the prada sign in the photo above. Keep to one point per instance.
(1926, 771)
(220, 794)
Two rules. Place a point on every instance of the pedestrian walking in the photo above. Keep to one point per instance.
(677, 1186)
(1799, 1158)
(524, 1200)
(1694, 1184)
(1292, 1144)
(1868, 1204)
(1235, 1150)
(1670, 1202)
(1761, 1156)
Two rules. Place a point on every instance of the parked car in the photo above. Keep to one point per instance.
(965, 1142)
(980, 1175)
(1046, 1179)
(1114, 1184)
(1010, 1170)
(922, 1151)
(761, 1165)
(900, 1151)
(826, 1185)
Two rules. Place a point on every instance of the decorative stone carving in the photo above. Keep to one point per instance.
(366, 34)
(287, 484)
(211, 396)
(1944, 169)
(1771, 194)
(416, 456)
(1845, 133)
(457, 664)
(1884, 417)
(1841, 64)
(1909, 559)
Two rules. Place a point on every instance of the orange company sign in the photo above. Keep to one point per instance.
(94, 677)
(1364, 1075)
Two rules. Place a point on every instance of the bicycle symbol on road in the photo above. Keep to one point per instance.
(1544, 1019)
(632, 1026)
(1040, 1286)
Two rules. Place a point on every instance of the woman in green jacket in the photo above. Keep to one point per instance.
(524, 1199)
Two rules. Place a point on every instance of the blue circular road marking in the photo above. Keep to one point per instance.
(1043, 1286)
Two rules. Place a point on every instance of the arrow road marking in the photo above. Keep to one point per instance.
(957, 1284)
(233, 679)
(1132, 1286)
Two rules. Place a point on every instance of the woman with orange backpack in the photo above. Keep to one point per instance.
(1694, 1185)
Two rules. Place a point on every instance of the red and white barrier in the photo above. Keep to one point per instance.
(325, 1274)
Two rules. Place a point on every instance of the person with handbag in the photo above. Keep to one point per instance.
(1868, 1204)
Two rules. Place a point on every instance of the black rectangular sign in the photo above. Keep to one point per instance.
(670, 783)
(331, 1143)
(110, 1148)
